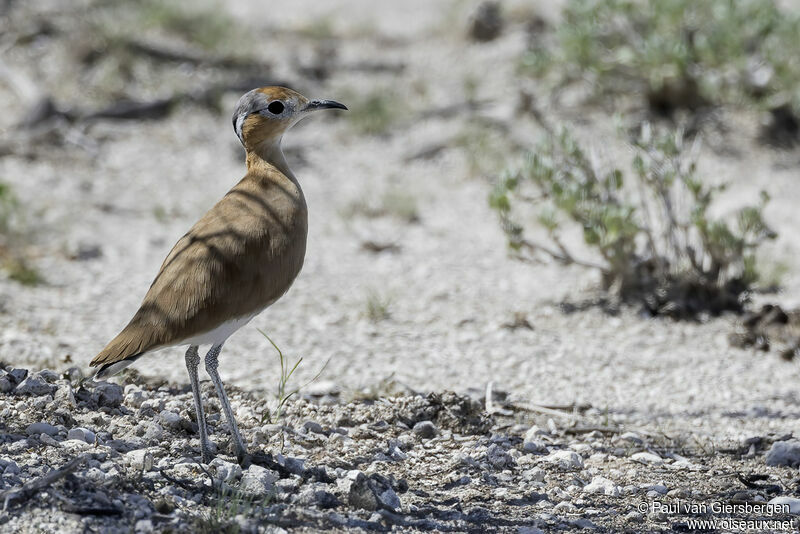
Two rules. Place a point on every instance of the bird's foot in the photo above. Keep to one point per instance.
(206, 455)
(243, 457)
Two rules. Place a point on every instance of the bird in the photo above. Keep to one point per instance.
(237, 259)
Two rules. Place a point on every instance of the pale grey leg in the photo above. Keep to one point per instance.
(211, 369)
(192, 362)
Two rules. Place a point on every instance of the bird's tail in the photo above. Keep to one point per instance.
(120, 352)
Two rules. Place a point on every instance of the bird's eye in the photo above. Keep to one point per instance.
(276, 107)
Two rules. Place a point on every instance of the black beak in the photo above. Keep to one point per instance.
(323, 104)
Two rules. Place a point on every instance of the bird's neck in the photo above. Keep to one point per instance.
(269, 154)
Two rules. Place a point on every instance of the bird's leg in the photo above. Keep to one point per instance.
(211, 368)
(192, 362)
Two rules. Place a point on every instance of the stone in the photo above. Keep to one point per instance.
(356, 488)
(34, 429)
(792, 502)
(631, 437)
(647, 458)
(535, 474)
(83, 434)
(603, 486)
(227, 472)
(169, 419)
(487, 21)
(107, 394)
(317, 495)
(134, 396)
(498, 457)
(784, 453)
(565, 459)
(6, 385)
(35, 385)
(47, 440)
(64, 396)
(425, 430)
(258, 481)
(313, 426)
(140, 459)
(658, 488)
(532, 441)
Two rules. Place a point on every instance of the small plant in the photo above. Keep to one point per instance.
(12, 260)
(205, 23)
(393, 202)
(283, 392)
(378, 307)
(374, 113)
(655, 239)
(676, 53)
(227, 504)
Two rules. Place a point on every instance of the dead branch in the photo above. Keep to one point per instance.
(27, 490)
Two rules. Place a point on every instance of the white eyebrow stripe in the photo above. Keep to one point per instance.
(239, 122)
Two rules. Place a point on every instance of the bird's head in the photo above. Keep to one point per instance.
(263, 115)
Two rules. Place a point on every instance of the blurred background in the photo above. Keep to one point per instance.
(588, 204)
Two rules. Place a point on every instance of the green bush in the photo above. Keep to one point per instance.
(677, 53)
(655, 239)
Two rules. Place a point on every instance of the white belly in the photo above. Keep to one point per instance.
(219, 334)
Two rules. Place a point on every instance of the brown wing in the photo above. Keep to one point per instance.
(240, 257)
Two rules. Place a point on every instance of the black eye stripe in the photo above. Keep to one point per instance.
(276, 107)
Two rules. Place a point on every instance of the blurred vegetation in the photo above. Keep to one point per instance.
(394, 202)
(12, 259)
(652, 230)
(374, 113)
(677, 53)
(378, 306)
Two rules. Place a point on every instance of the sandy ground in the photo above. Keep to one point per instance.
(450, 287)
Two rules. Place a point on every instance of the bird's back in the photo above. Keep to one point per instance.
(239, 258)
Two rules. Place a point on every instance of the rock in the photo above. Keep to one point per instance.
(64, 396)
(647, 458)
(565, 459)
(529, 530)
(782, 453)
(6, 384)
(631, 437)
(17, 375)
(425, 429)
(535, 474)
(35, 385)
(107, 394)
(532, 441)
(47, 440)
(34, 429)
(169, 419)
(258, 481)
(317, 495)
(140, 459)
(83, 434)
(658, 488)
(564, 507)
(11, 468)
(792, 502)
(355, 486)
(313, 426)
(602, 486)
(134, 396)
(487, 22)
(227, 472)
(143, 526)
(498, 457)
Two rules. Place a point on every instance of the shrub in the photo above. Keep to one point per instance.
(677, 53)
(655, 239)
